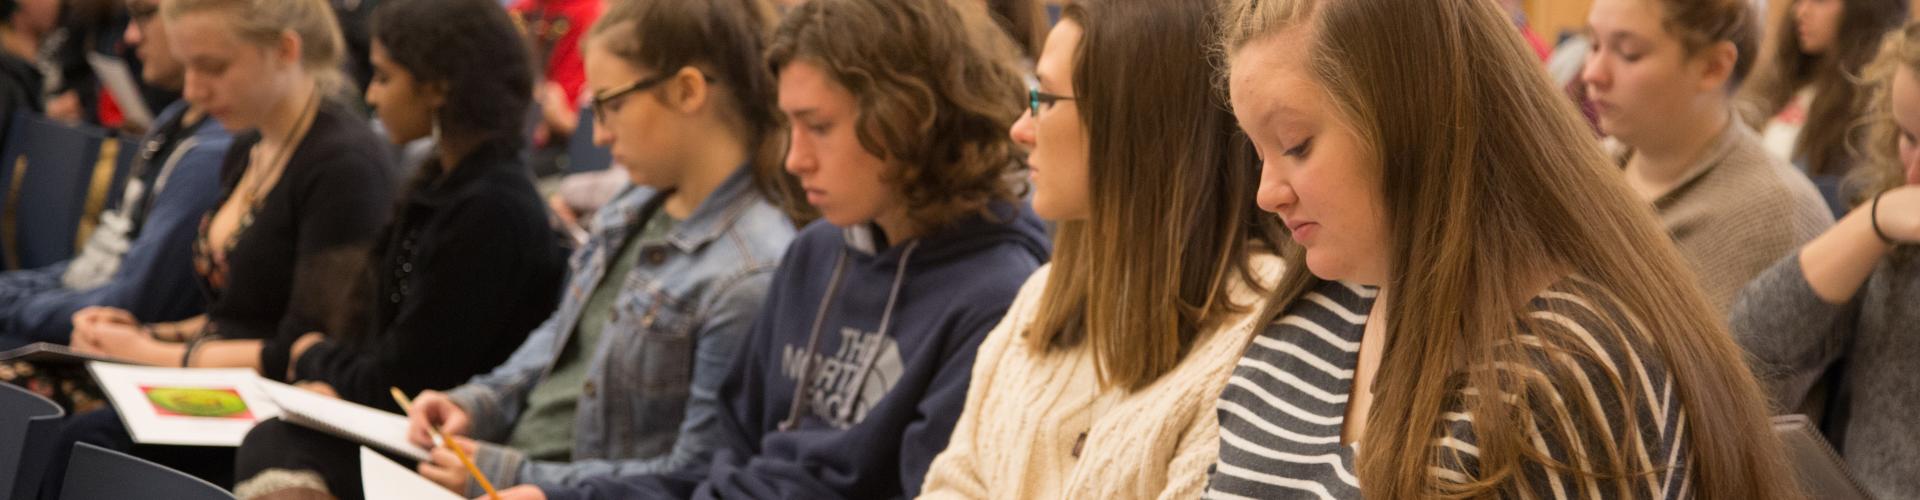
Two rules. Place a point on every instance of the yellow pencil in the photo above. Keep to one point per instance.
(401, 398)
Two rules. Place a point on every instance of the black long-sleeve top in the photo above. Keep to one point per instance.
(468, 268)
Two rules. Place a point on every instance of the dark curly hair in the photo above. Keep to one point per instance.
(473, 48)
(938, 87)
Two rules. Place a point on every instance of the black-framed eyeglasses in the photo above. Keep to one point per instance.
(605, 98)
(1036, 98)
(602, 100)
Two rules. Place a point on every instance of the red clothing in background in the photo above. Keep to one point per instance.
(556, 27)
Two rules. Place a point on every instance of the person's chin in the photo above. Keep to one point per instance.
(1617, 130)
(1044, 208)
(1325, 266)
(840, 219)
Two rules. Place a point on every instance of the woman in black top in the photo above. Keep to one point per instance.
(470, 265)
(306, 187)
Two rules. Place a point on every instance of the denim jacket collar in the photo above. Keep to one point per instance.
(708, 221)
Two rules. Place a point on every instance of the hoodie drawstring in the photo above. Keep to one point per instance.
(886, 320)
(804, 385)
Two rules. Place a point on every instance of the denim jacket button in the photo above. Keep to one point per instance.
(656, 255)
(588, 390)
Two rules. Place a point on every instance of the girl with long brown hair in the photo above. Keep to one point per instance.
(1830, 327)
(1804, 99)
(1099, 382)
(1522, 339)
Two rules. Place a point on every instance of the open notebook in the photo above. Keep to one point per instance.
(382, 479)
(361, 424)
(217, 406)
(182, 406)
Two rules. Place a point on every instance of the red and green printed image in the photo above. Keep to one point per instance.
(205, 402)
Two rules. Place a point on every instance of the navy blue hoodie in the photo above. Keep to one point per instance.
(889, 335)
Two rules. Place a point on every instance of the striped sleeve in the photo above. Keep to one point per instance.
(1572, 381)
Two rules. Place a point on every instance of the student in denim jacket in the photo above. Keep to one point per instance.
(857, 369)
(623, 378)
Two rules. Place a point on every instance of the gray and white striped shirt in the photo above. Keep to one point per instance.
(1282, 412)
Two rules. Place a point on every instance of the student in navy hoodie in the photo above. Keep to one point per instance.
(857, 368)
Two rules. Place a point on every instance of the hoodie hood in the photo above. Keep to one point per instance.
(1003, 223)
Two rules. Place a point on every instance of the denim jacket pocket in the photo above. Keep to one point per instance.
(654, 363)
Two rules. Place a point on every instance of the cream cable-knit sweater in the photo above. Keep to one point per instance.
(1026, 409)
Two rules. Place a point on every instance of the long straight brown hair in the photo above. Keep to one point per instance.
(1490, 181)
(1829, 141)
(1173, 221)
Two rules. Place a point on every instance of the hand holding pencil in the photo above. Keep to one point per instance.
(440, 469)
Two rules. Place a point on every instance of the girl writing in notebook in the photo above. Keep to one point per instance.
(623, 379)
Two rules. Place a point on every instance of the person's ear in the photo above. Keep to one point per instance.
(1715, 64)
(287, 51)
(434, 93)
(689, 90)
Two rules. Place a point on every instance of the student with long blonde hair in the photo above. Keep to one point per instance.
(1831, 327)
(1100, 381)
(306, 187)
(1522, 337)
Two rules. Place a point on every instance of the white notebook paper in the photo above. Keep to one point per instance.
(362, 424)
(382, 479)
(185, 406)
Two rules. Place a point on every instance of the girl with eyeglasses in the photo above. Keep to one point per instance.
(1100, 381)
(857, 367)
(622, 379)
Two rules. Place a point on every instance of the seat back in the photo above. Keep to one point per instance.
(97, 473)
(55, 166)
(28, 427)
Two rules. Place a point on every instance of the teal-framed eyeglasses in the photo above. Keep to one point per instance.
(1036, 98)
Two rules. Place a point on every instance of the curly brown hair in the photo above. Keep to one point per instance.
(937, 86)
